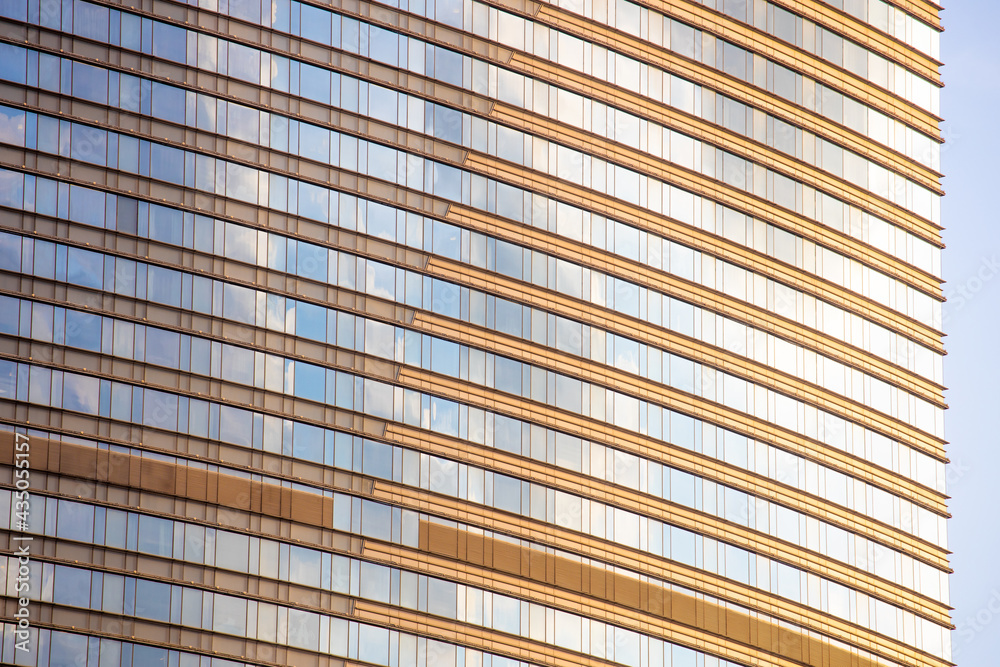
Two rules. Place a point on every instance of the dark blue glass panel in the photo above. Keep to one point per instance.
(90, 144)
(383, 46)
(315, 24)
(66, 648)
(12, 188)
(83, 330)
(310, 381)
(447, 241)
(13, 63)
(312, 261)
(307, 443)
(507, 493)
(169, 42)
(314, 203)
(446, 299)
(382, 162)
(168, 102)
(156, 536)
(376, 519)
(448, 66)
(447, 182)
(310, 321)
(315, 83)
(163, 347)
(167, 164)
(128, 215)
(152, 600)
(377, 460)
(147, 655)
(164, 286)
(159, 410)
(71, 586)
(507, 375)
(166, 224)
(76, 522)
(86, 205)
(447, 124)
(90, 83)
(91, 21)
(15, 9)
(85, 268)
(235, 426)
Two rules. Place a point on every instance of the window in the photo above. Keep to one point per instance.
(737, 9)
(377, 460)
(169, 42)
(447, 65)
(67, 648)
(441, 597)
(444, 416)
(163, 349)
(315, 23)
(141, 654)
(506, 614)
(81, 393)
(383, 47)
(734, 60)
(248, 10)
(507, 493)
(376, 520)
(164, 286)
(310, 381)
(91, 83)
(156, 536)
(236, 426)
(682, 39)
(152, 600)
(91, 21)
(85, 268)
(304, 566)
(244, 63)
(241, 182)
(373, 644)
(72, 586)
(783, 23)
(230, 614)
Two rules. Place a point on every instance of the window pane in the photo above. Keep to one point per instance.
(85, 268)
(72, 586)
(155, 535)
(152, 600)
(169, 42)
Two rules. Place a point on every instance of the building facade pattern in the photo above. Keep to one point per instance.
(473, 332)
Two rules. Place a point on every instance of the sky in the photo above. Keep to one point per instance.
(970, 104)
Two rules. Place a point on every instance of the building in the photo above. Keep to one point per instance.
(495, 333)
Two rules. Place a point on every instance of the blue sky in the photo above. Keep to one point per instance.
(971, 108)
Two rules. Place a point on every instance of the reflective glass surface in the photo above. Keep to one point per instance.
(450, 333)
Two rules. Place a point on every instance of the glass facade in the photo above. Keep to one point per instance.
(464, 333)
